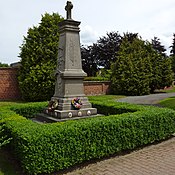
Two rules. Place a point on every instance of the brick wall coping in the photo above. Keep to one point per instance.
(7, 68)
(95, 82)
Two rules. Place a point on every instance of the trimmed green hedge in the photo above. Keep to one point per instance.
(29, 110)
(45, 148)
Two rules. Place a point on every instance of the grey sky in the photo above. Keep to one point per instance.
(149, 18)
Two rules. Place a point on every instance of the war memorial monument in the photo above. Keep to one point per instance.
(69, 100)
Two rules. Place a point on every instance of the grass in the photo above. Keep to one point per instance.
(168, 103)
(8, 165)
(105, 97)
(168, 90)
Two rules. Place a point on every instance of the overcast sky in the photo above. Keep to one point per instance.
(149, 18)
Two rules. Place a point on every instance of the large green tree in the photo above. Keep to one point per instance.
(162, 71)
(107, 48)
(89, 60)
(140, 68)
(157, 46)
(172, 51)
(38, 55)
(132, 70)
(101, 54)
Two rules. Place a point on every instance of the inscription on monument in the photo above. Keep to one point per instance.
(71, 52)
(61, 61)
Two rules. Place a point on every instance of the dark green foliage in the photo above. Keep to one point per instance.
(158, 47)
(173, 53)
(173, 46)
(45, 148)
(89, 61)
(3, 65)
(131, 72)
(107, 48)
(141, 67)
(162, 74)
(38, 54)
(100, 54)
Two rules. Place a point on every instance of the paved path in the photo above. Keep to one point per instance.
(146, 99)
(156, 159)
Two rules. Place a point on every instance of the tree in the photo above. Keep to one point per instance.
(173, 46)
(89, 62)
(100, 54)
(130, 36)
(3, 65)
(107, 48)
(157, 46)
(131, 71)
(161, 66)
(38, 54)
(172, 51)
(140, 68)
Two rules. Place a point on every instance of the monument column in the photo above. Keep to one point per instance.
(69, 73)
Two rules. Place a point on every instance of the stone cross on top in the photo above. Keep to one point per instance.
(68, 9)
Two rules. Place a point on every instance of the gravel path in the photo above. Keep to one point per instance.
(146, 99)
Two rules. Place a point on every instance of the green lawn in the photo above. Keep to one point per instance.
(168, 103)
(168, 90)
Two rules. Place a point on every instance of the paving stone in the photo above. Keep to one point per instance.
(157, 159)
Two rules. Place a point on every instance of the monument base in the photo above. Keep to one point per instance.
(61, 116)
(71, 113)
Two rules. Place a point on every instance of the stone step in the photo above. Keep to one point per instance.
(44, 118)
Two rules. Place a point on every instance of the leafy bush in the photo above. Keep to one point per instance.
(45, 148)
(3, 65)
(39, 53)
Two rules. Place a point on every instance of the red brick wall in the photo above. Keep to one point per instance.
(9, 89)
(96, 87)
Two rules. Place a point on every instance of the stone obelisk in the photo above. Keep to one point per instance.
(69, 73)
